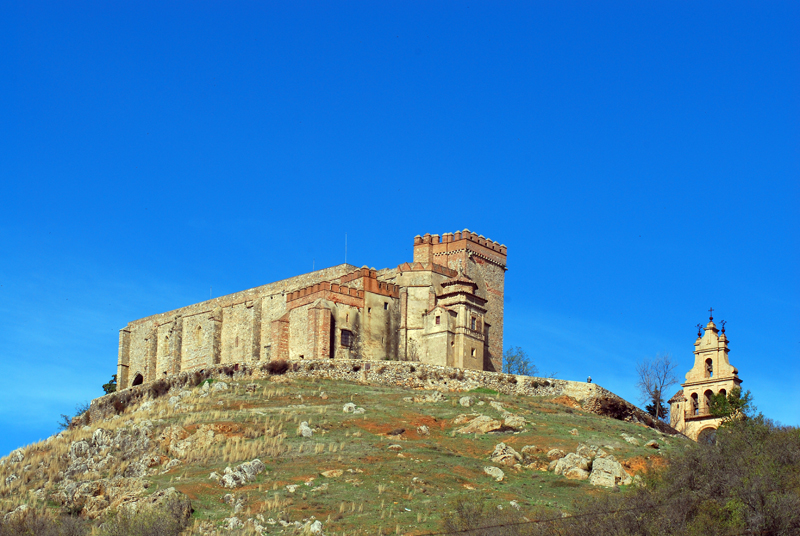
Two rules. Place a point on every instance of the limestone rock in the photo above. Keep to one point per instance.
(494, 472)
(653, 444)
(563, 465)
(305, 430)
(481, 425)
(333, 473)
(574, 431)
(554, 454)
(576, 473)
(349, 407)
(423, 430)
(609, 473)
(431, 397)
(514, 422)
(505, 455)
(465, 401)
(528, 451)
(219, 386)
(461, 419)
(243, 473)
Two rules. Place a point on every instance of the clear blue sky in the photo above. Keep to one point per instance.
(639, 159)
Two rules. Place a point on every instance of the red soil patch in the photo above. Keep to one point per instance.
(638, 464)
(409, 421)
(194, 490)
(567, 401)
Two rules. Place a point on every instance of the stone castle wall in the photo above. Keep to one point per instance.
(342, 312)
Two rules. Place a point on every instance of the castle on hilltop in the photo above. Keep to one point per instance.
(444, 308)
(712, 374)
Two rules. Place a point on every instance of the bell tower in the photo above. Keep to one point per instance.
(712, 374)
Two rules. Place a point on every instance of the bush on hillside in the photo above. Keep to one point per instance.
(747, 482)
(277, 367)
(42, 524)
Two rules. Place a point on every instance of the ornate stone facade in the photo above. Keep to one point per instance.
(711, 374)
(444, 308)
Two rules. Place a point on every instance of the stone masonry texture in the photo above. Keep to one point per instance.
(444, 308)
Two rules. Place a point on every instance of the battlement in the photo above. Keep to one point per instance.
(466, 234)
(426, 267)
(370, 283)
(325, 286)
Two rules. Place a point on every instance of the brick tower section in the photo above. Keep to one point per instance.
(484, 261)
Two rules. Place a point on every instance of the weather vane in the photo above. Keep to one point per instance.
(699, 330)
(723, 325)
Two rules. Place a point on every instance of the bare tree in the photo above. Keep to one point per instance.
(655, 377)
(515, 361)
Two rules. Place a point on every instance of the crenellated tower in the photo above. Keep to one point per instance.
(483, 262)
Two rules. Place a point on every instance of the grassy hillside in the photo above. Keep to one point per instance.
(391, 469)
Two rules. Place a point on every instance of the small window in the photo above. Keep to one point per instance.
(438, 320)
(385, 305)
(473, 352)
(472, 324)
(347, 317)
(369, 310)
(302, 357)
(347, 338)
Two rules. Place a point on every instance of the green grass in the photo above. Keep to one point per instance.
(383, 488)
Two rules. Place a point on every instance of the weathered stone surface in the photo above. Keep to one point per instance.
(481, 425)
(465, 401)
(554, 454)
(653, 444)
(333, 473)
(562, 465)
(576, 473)
(609, 473)
(514, 422)
(505, 455)
(304, 430)
(349, 407)
(240, 475)
(423, 430)
(494, 472)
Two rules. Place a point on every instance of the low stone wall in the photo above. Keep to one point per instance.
(411, 375)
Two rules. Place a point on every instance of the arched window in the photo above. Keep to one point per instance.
(709, 368)
(695, 406)
(707, 400)
(723, 392)
(138, 379)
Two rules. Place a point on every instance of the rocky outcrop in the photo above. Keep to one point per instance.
(240, 475)
(505, 455)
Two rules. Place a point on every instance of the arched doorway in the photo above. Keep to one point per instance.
(138, 379)
(707, 436)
